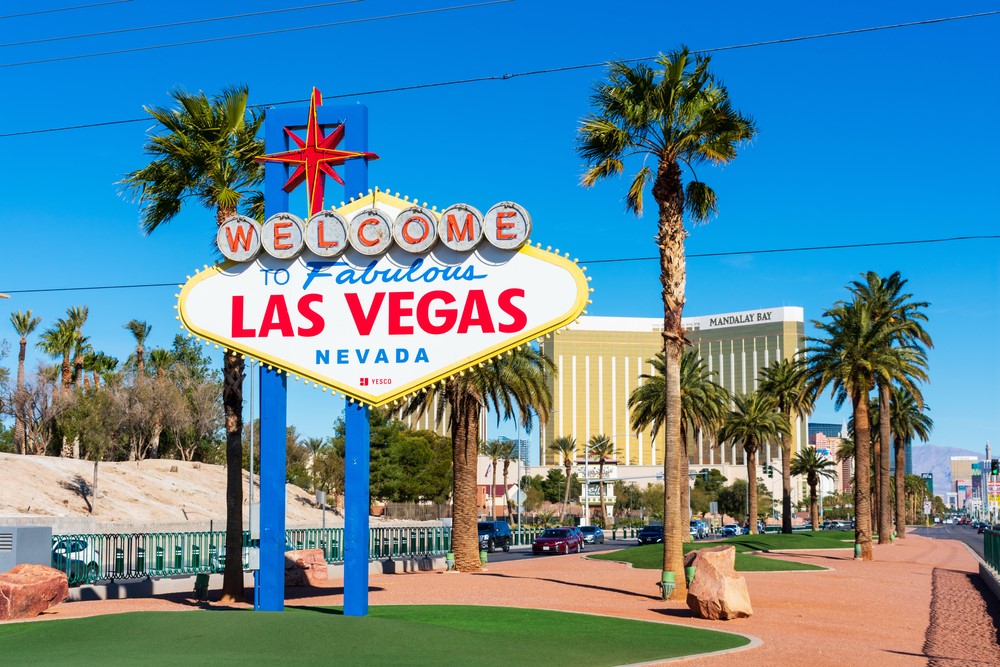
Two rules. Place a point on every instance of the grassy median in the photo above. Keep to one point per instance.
(432, 635)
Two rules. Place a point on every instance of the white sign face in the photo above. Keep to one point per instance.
(379, 327)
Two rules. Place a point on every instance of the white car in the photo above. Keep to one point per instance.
(77, 558)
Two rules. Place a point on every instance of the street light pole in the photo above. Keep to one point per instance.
(586, 485)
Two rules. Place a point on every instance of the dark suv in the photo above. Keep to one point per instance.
(493, 534)
(650, 534)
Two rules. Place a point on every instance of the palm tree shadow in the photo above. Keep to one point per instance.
(570, 583)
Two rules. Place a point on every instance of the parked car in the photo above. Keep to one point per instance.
(558, 540)
(981, 528)
(731, 530)
(650, 534)
(592, 534)
(493, 534)
(699, 530)
(77, 558)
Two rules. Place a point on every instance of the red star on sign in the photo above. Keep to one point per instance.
(315, 157)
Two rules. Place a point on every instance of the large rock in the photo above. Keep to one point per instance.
(717, 592)
(305, 567)
(28, 590)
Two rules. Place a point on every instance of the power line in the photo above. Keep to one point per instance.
(158, 26)
(514, 75)
(764, 251)
(278, 31)
(64, 9)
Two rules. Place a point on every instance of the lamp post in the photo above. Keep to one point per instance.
(586, 485)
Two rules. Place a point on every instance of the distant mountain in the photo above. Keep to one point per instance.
(937, 460)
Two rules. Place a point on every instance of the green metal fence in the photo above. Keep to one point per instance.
(90, 557)
(991, 549)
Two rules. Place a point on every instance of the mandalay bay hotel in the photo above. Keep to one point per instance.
(600, 361)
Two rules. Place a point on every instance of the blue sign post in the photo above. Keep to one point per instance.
(273, 390)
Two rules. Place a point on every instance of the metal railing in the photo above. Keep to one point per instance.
(90, 557)
(991, 549)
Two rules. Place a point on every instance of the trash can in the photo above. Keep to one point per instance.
(201, 587)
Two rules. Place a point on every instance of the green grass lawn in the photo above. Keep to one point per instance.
(433, 635)
(650, 556)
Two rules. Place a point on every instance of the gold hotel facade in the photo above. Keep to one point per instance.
(600, 361)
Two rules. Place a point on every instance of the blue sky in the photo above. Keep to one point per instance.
(867, 138)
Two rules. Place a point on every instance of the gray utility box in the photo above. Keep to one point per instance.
(25, 544)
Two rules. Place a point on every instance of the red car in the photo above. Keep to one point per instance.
(557, 540)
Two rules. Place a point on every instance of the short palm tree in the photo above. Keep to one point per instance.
(754, 420)
(904, 316)
(205, 150)
(24, 324)
(704, 405)
(784, 380)
(565, 448)
(509, 453)
(161, 360)
(813, 465)
(140, 331)
(495, 450)
(513, 385)
(908, 422)
(78, 316)
(58, 342)
(602, 448)
(667, 119)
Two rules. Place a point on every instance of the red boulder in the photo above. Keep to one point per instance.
(28, 590)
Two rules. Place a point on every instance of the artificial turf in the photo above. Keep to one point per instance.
(432, 635)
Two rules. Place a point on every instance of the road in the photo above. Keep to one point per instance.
(953, 532)
(518, 553)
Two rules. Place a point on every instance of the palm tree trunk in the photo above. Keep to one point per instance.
(786, 483)
(600, 492)
(20, 418)
(465, 453)
(562, 519)
(232, 400)
(885, 520)
(493, 493)
(685, 502)
(900, 479)
(813, 504)
(752, 488)
(862, 474)
(506, 498)
(674, 532)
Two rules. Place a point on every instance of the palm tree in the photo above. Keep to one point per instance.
(754, 420)
(140, 330)
(908, 422)
(704, 404)
(601, 448)
(564, 447)
(676, 116)
(852, 353)
(495, 450)
(24, 324)
(206, 151)
(887, 302)
(813, 465)
(508, 454)
(161, 360)
(784, 380)
(511, 384)
(77, 315)
(58, 342)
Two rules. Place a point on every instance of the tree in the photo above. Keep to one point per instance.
(908, 422)
(784, 380)
(140, 331)
(206, 150)
(77, 315)
(58, 342)
(510, 453)
(903, 317)
(494, 450)
(24, 324)
(514, 383)
(669, 118)
(565, 448)
(90, 416)
(601, 448)
(753, 421)
(813, 465)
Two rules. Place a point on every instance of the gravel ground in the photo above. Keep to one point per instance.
(856, 613)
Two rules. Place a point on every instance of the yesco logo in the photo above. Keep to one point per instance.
(371, 232)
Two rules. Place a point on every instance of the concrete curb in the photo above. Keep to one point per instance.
(989, 576)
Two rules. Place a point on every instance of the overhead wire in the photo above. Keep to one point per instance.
(728, 253)
(64, 9)
(513, 75)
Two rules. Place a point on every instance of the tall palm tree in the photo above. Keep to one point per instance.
(24, 324)
(673, 117)
(813, 465)
(784, 380)
(58, 342)
(908, 422)
(704, 405)
(854, 350)
(754, 420)
(205, 151)
(888, 302)
(565, 448)
(140, 331)
(512, 384)
(494, 450)
(602, 448)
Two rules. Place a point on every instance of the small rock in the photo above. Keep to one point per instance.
(28, 590)
(305, 567)
(717, 592)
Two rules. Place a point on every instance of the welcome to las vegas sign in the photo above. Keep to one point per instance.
(381, 297)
